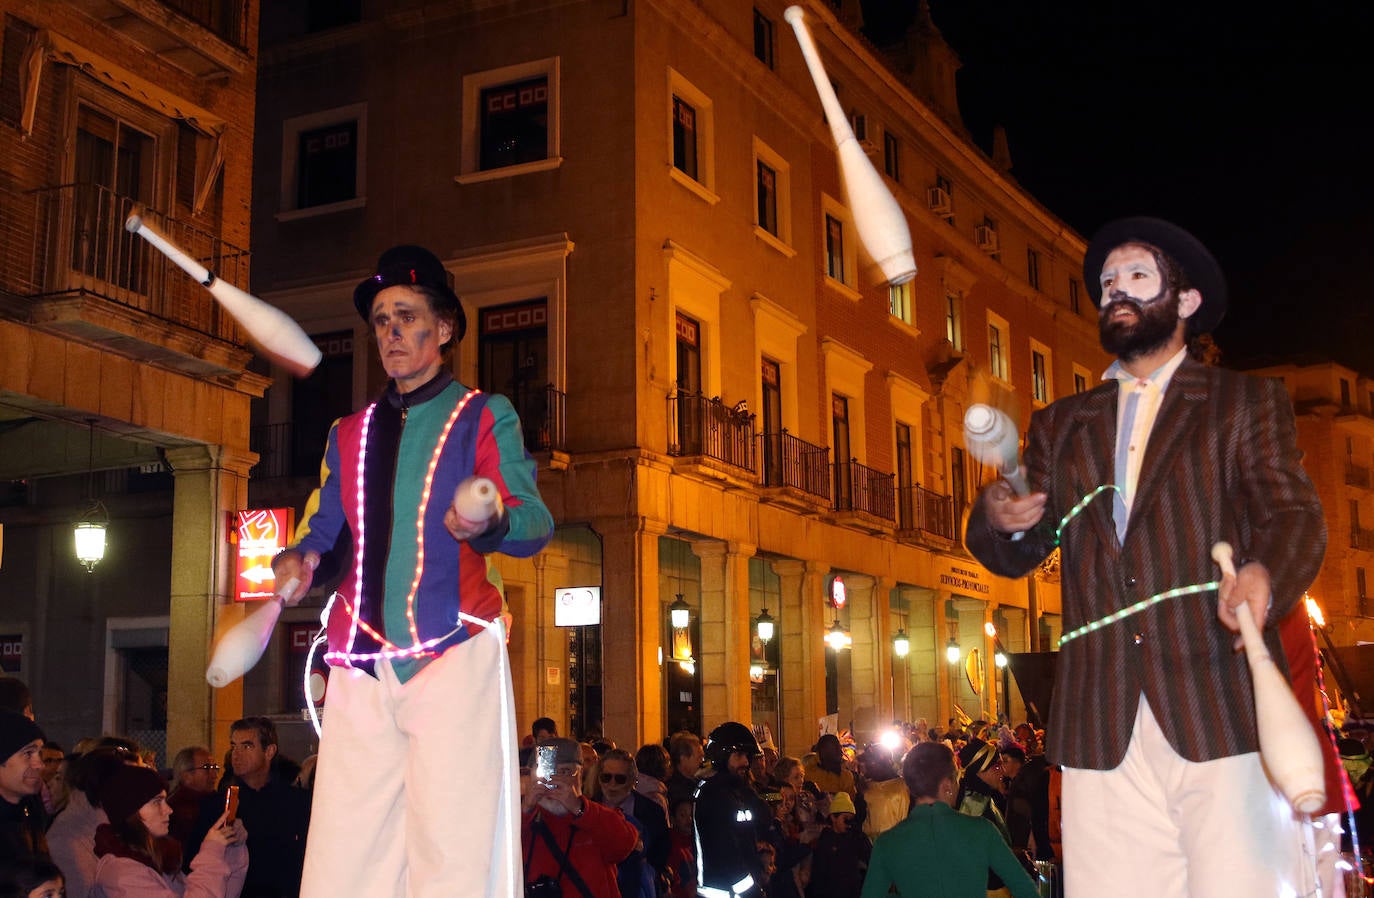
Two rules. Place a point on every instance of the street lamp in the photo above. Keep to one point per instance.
(680, 613)
(952, 651)
(89, 533)
(837, 637)
(764, 626)
(901, 645)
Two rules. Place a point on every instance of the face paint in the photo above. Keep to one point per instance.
(1139, 313)
(409, 336)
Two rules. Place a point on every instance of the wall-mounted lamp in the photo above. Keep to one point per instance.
(901, 645)
(763, 625)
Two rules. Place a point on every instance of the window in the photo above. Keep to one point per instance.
(685, 138)
(691, 118)
(899, 301)
(906, 505)
(834, 248)
(839, 441)
(511, 121)
(772, 199)
(689, 412)
(771, 422)
(892, 163)
(513, 359)
(985, 235)
(1360, 592)
(1033, 268)
(1080, 383)
(324, 162)
(1039, 376)
(841, 265)
(763, 39)
(327, 165)
(998, 333)
(1345, 394)
(515, 123)
(1075, 302)
(954, 326)
(114, 167)
(946, 185)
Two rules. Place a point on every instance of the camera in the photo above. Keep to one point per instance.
(543, 887)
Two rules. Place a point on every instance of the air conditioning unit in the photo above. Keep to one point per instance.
(859, 123)
(938, 201)
(986, 238)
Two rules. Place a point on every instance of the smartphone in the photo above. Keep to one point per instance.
(231, 804)
(545, 763)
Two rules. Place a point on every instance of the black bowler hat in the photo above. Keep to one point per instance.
(1201, 267)
(416, 266)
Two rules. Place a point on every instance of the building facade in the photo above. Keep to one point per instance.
(124, 391)
(640, 207)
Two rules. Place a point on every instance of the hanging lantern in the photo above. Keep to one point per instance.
(901, 645)
(764, 626)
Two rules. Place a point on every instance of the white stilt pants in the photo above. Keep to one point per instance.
(416, 793)
(1159, 825)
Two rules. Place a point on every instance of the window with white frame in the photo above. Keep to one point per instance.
(1042, 387)
(954, 322)
(691, 137)
(511, 121)
(324, 162)
(763, 38)
(838, 240)
(772, 198)
(999, 351)
(1082, 379)
(899, 302)
(892, 158)
(1075, 302)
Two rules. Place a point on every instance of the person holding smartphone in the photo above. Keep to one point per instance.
(138, 860)
(571, 845)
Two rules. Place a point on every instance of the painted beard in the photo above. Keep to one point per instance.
(1155, 323)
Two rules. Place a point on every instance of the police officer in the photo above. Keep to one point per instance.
(730, 818)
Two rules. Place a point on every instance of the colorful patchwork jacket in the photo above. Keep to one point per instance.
(388, 476)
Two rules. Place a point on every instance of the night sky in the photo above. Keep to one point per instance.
(1248, 124)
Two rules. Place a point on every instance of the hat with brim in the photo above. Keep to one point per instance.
(1203, 270)
(411, 266)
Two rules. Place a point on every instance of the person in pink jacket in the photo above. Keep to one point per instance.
(137, 860)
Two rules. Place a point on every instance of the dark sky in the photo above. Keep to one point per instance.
(1248, 124)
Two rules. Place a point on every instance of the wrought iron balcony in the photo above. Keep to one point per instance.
(75, 244)
(792, 462)
(923, 510)
(861, 488)
(709, 428)
(543, 412)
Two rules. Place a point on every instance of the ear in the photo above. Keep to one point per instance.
(445, 330)
(1189, 301)
(270, 751)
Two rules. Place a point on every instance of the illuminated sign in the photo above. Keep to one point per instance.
(577, 606)
(258, 534)
(837, 593)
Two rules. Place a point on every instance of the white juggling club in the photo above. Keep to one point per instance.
(1288, 745)
(241, 647)
(992, 439)
(273, 331)
(477, 500)
(877, 216)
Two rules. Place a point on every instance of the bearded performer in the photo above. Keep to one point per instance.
(1154, 716)
(418, 652)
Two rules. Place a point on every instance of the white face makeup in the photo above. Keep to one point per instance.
(1132, 271)
(410, 337)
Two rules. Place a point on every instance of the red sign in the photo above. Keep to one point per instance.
(259, 534)
(837, 593)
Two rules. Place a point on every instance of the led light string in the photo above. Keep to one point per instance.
(358, 551)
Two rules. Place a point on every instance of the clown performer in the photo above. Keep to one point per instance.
(1154, 715)
(415, 639)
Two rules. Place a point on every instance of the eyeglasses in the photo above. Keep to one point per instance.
(619, 779)
(206, 767)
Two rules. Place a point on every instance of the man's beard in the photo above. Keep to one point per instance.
(1156, 321)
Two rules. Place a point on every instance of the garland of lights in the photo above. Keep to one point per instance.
(389, 649)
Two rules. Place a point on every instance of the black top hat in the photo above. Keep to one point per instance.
(1201, 267)
(416, 266)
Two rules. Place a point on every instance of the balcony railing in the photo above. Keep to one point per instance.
(920, 509)
(77, 242)
(792, 462)
(698, 426)
(1360, 538)
(861, 488)
(1356, 475)
(224, 17)
(543, 415)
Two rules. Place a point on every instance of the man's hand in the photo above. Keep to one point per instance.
(294, 565)
(460, 528)
(1250, 586)
(1010, 513)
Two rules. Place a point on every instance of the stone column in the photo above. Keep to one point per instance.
(1054, 628)
(724, 650)
(542, 645)
(802, 654)
(972, 614)
(631, 629)
(210, 482)
(923, 666)
(1015, 639)
(870, 683)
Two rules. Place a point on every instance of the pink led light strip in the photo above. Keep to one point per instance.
(391, 650)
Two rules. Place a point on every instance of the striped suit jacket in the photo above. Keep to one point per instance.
(1222, 463)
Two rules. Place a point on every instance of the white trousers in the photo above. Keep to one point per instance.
(416, 792)
(1161, 825)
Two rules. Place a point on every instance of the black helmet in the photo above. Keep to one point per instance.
(727, 739)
